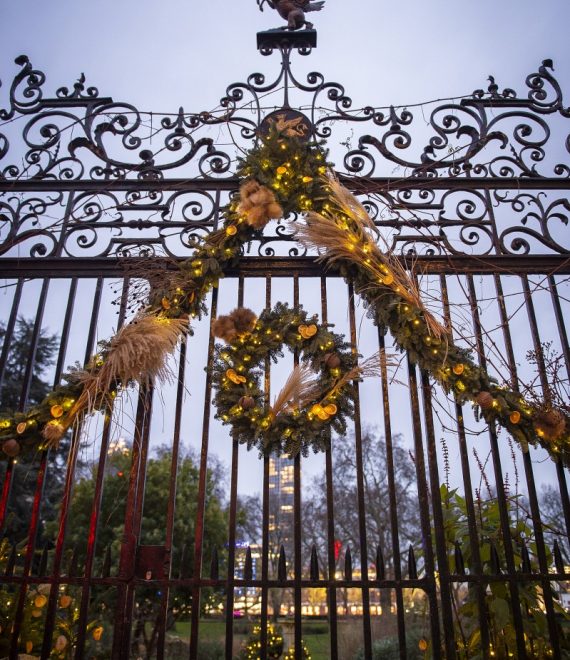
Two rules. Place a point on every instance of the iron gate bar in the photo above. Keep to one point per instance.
(331, 559)
(438, 524)
(423, 499)
(365, 185)
(298, 563)
(360, 487)
(474, 540)
(396, 558)
(232, 527)
(65, 267)
(199, 529)
(499, 483)
(171, 502)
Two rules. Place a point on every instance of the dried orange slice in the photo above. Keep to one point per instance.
(235, 377)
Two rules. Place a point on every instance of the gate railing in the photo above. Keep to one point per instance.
(478, 204)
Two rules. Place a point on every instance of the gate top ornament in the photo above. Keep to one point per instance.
(293, 11)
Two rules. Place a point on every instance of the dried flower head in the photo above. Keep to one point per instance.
(258, 204)
(239, 322)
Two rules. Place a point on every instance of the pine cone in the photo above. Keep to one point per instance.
(11, 447)
(484, 400)
(332, 360)
(551, 423)
(247, 402)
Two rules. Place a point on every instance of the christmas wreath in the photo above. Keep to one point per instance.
(316, 398)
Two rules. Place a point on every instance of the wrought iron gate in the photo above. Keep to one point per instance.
(476, 201)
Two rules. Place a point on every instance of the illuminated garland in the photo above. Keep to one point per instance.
(283, 176)
(306, 409)
(274, 165)
(376, 277)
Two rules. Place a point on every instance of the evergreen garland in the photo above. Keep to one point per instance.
(291, 172)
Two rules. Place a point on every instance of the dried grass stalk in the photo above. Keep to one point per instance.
(299, 390)
(339, 240)
(137, 353)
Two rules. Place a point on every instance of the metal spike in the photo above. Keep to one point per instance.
(314, 572)
(525, 566)
(42, 569)
(495, 561)
(412, 568)
(558, 560)
(282, 566)
(348, 564)
(380, 572)
(459, 563)
(11, 561)
(214, 565)
(72, 568)
(248, 568)
(106, 570)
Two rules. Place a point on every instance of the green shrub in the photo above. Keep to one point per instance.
(210, 649)
(389, 648)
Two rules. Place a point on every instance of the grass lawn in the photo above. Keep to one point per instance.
(318, 645)
(316, 637)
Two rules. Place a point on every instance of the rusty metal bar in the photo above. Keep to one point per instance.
(297, 531)
(423, 497)
(474, 538)
(438, 524)
(125, 582)
(361, 184)
(395, 533)
(171, 505)
(265, 517)
(200, 509)
(331, 592)
(367, 630)
(499, 483)
(56, 267)
(232, 530)
(52, 600)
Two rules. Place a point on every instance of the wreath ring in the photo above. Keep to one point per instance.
(317, 398)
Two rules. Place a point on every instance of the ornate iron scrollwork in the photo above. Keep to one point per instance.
(89, 175)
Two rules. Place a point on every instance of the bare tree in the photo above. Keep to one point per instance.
(376, 502)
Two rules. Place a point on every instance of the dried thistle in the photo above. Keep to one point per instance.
(239, 322)
(258, 204)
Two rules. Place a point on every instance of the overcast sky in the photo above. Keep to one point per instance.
(182, 52)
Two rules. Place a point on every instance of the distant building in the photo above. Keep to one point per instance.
(281, 504)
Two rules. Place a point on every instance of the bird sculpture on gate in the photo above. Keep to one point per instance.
(293, 11)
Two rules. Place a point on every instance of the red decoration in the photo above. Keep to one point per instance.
(337, 549)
